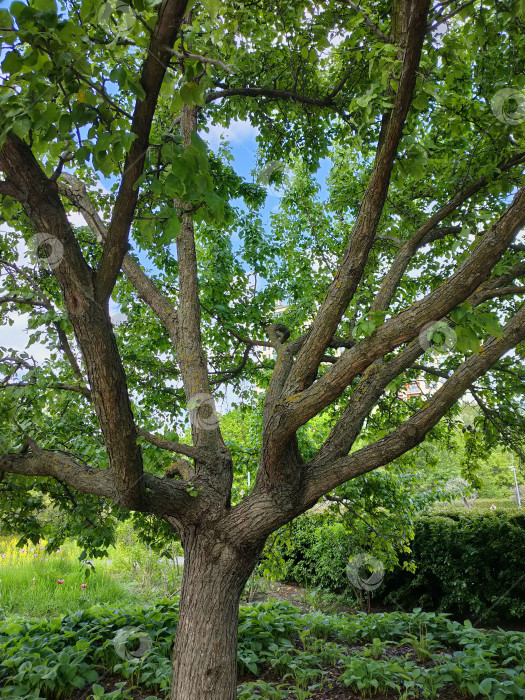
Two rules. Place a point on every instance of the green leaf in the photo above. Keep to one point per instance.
(199, 143)
(78, 682)
(215, 204)
(186, 94)
(180, 167)
(171, 229)
(491, 323)
(12, 63)
(21, 126)
(174, 186)
(197, 94)
(213, 7)
(467, 340)
(485, 686)
(5, 20)
(459, 313)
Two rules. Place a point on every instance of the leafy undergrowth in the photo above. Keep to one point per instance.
(283, 653)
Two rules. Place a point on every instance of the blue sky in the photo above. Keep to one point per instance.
(241, 137)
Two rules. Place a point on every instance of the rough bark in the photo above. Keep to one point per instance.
(169, 20)
(90, 318)
(362, 237)
(296, 410)
(205, 652)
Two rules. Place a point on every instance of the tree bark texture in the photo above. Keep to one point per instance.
(205, 651)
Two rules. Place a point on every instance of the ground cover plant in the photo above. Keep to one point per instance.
(283, 653)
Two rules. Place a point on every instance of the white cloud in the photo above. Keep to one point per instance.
(238, 132)
(17, 337)
(76, 219)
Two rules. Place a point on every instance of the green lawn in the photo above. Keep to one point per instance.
(35, 584)
(480, 505)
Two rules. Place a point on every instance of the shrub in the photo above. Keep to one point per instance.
(468, 565)
(314, 552)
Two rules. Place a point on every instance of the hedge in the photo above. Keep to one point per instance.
(472, 566)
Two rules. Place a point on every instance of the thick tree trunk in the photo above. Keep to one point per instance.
(205, 652)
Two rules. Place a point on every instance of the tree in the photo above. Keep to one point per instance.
(416, 250)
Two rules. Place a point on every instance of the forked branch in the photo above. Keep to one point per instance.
(324, 475)
(406, 325)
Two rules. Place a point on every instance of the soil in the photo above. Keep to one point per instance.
(289, 592)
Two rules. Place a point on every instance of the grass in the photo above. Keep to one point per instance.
(31, 587)
(132, 573)
(481, 506)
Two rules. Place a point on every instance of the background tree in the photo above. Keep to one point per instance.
(421, 226)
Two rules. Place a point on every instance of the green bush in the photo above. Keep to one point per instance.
(469, 565)
(314, 552)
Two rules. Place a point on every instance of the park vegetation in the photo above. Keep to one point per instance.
(161, 300)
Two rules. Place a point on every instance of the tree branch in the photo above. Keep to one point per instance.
(7, 189)
(197, 57)
(170, 446)
(60, 386)
(430, 370)
(154, 68)
(45, 303)
(428, 233)
(163, 497)
(323, 475)
(361, 239)
(190, 352)
(444, 18)
(501, 427)
(90, 319)
(75, 191)
(406, 325)
(369, 23)
(345, 504)
(287, 95)
(494, 283)
(502, 292)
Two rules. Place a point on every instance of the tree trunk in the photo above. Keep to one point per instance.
(205, 652)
